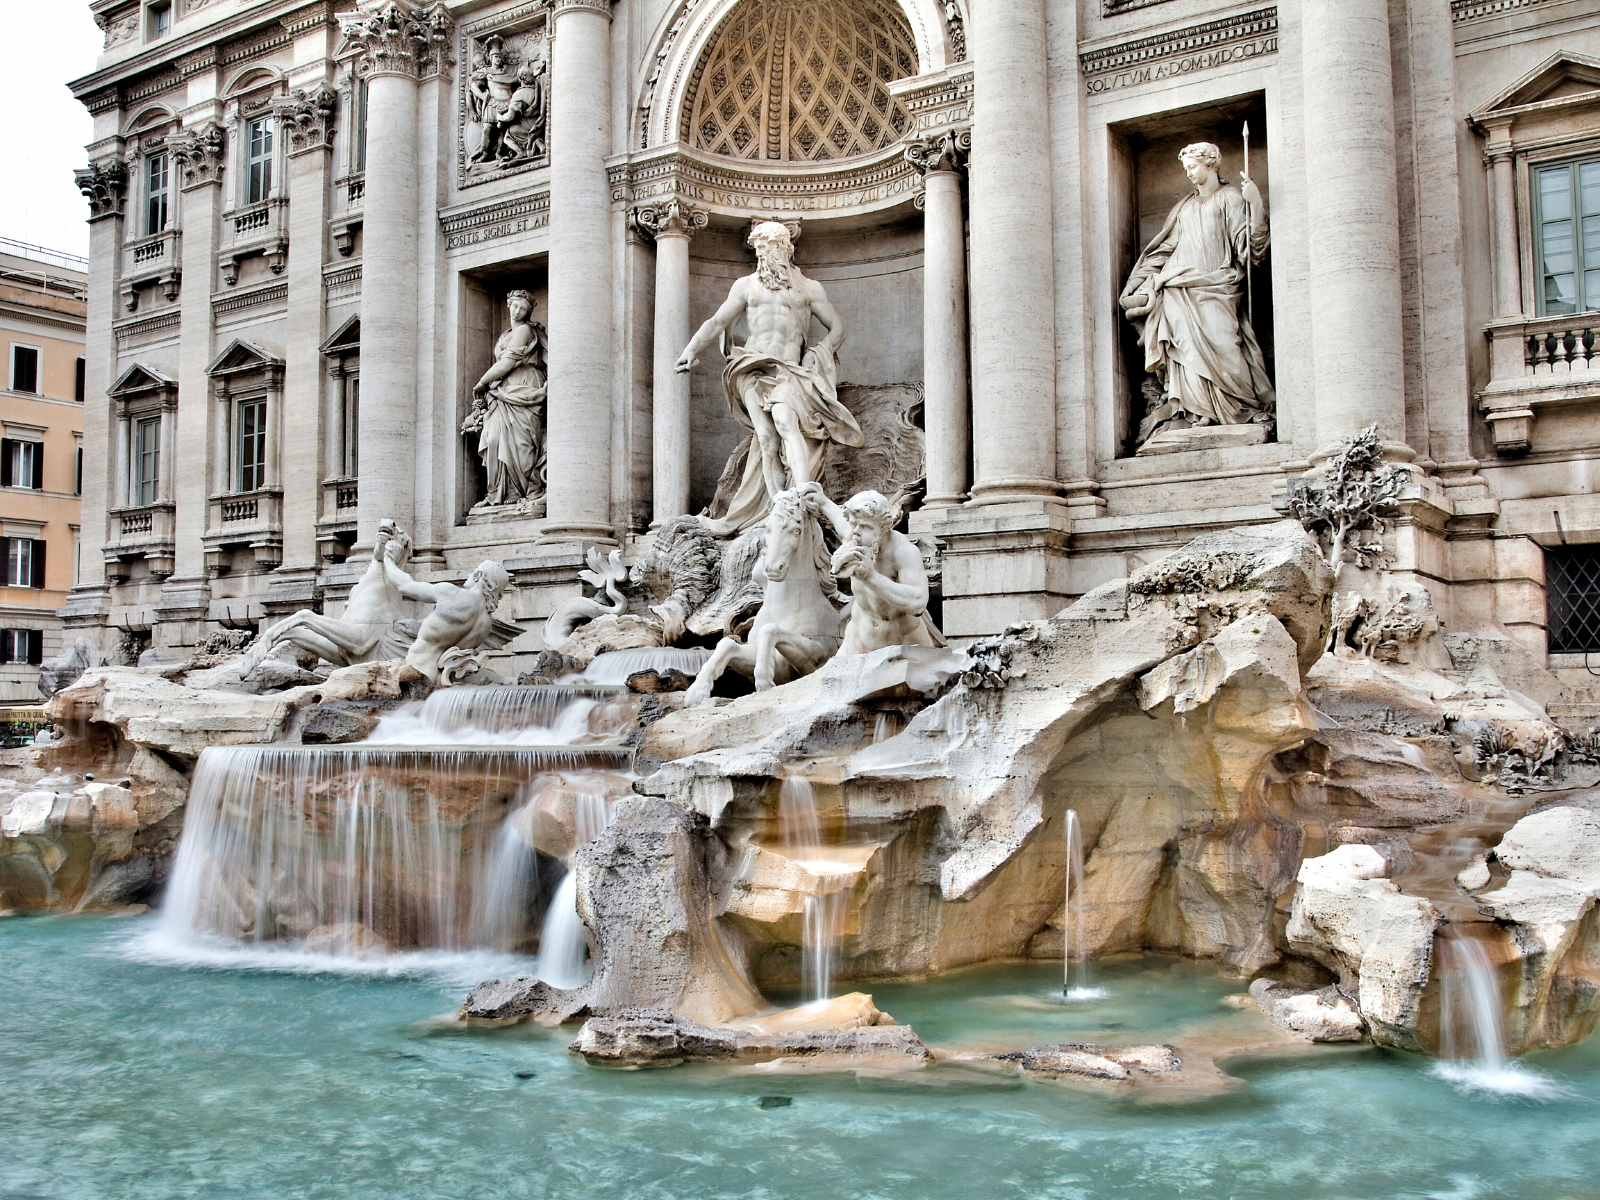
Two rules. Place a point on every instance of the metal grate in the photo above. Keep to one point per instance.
(1572, 598)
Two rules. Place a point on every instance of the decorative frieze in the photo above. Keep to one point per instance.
(943, 101)
(272, 293)
(504, 101)
(105, 185)
(201, 153)
(307, 118)
(143, 328)
(1111, 8)
(342, 283)
(1178, 52)
(1473, 10)
(400, 39)
(492, 222)
(671, 217)
(119, 27)
(599, 6)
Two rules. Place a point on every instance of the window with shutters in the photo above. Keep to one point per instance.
(251, 423)
(21, 646)
(352, 426)
(258, 160)
(359, 99)
(24, 562)
(21, 464)
(146, 460)
(157, 190)
(24, 368)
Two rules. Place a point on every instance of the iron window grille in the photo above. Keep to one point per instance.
(1572, 598)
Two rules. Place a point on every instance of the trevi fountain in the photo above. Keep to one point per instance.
(853, 817)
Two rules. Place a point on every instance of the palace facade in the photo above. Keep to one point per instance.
(308, 216)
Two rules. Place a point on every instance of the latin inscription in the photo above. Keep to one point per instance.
(1204, 61)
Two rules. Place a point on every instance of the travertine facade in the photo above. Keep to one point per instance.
(308, 217)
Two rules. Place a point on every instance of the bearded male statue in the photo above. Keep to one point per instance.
(1185, 294)
(888, 583)
(783, 391)
(462, 618)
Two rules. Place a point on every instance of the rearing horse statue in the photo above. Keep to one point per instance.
(797, 628)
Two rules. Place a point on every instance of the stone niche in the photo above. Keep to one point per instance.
(1146, 182)
(872, 272)
(482, 317)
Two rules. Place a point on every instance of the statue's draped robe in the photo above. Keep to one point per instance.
(753, 378)
(1197, 342)
(511, 441)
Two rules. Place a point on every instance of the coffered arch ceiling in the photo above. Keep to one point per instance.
(800, 81)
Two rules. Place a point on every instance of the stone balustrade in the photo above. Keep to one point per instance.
(147, 532)
(1537, 363)
(236, 521)
(259, 229)
(156, 260)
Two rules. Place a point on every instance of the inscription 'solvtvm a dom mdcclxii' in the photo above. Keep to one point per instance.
(1065, 283)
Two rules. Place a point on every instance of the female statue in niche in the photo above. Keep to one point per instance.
(1185, 296)
(507, 410)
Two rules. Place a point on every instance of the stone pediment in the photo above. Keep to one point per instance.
(1564, 76)
(345, 340)
(240, 357)
(138, 379)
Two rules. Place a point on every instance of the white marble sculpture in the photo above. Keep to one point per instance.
(783, 391)
(888, 583)
(1186, 295)
(797, 628)
(506, 109)
(507, 411)
(372, 628)
(605, 575)
(462, 620)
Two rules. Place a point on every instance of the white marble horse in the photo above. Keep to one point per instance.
(798, 627)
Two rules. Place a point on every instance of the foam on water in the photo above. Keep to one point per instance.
(1510, 1080)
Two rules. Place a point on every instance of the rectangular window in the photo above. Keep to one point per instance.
(24, 368)
(23, 562)
(157, 188)
(1572, 598)
(21, 646)
(258, 160)
(146, 460)
(160, 20)
(77, 489)
(360, 101)
(80, 385)
(352, 426)
(1567, 237)
(252, 427)
(21, 464)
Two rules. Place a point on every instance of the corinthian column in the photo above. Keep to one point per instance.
(1354, 222)
(672, 223)
(397, 42)
(944, 316)
(581, 341)
(1013, 261)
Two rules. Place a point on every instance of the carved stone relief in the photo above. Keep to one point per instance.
(504, 100)
(508, 414)
(307, 118)
(201, 153)
(119, 27)
(406, 39)
(104, 184)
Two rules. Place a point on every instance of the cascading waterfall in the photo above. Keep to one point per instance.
(564, 942)
(615, 666)
(500, 911)
(798, 827)
(821, 932)
(548, 715)
(1471, 1033)
(1075, 942)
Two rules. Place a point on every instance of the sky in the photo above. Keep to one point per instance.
(45, 130)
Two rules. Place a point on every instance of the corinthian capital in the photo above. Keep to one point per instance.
(104, 184)
(603, 7)
(946, 151)
(671, 217)
(400, 39)
(307, 118)
(201, 153)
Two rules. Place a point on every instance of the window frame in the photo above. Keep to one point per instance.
(1573, 165)
(250, 472)
(25, 557)
(80, 383)
(32, 652)
(146, 490)
(158, 21)
(152, 195)
(38, 368)
(258, 169)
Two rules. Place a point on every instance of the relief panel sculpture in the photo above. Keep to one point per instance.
(507, 413)
(504, 105)
(1187, 297)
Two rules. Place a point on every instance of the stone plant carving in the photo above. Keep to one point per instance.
(784, 392)
(505, 110)
(797, 628)
(307, 118)
(104, 184)
(507, 412)
(373, 627)
(1185, 294)
(888, 585)
(1353, 491)
(605, 575)
(405, 38)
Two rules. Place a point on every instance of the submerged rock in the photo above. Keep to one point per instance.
(1090, 1061)
(1322, 1015)
(507, 1001)
(654, 1037)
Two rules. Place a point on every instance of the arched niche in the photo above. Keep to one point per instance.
(691, 26)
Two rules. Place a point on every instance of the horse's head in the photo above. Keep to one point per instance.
(791, 534)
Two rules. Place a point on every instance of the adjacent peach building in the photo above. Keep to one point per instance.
(42, 310)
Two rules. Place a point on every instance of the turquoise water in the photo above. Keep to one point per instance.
(129, 1077)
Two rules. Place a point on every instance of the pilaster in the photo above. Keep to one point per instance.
(672, 223)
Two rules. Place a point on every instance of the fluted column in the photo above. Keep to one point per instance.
(944, 317)
(581, 336)
(672, 223)
(1357, 334)
(1013, 261)
(397, 43)
(1503, 219)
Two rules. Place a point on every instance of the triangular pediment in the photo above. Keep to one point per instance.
(1564, 74)
(139, 378)
(240, 356)
(346, 339)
